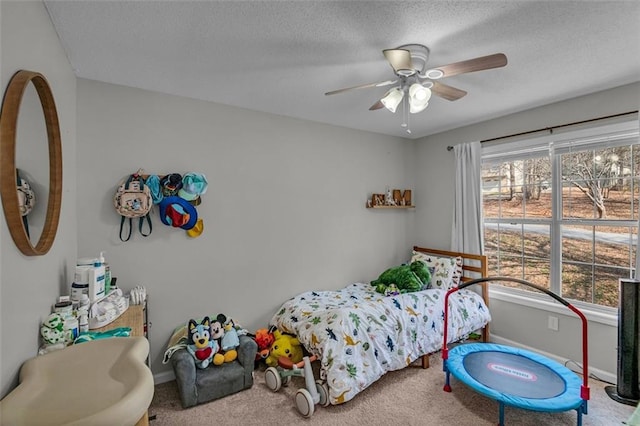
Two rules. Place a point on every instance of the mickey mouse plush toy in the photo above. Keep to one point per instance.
(226, 338)
(201, 345)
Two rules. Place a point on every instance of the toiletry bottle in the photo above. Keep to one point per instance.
(84, 302)
(83, 320)
(70, 330)
(80, 283)
(107, 273)
(96, 282)
(64, 308)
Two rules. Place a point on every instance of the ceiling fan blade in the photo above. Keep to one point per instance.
(377, 105)
(400, 59)
(362, 86)
(447, 92)
(496, 60)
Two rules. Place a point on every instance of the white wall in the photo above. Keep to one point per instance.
(30, 285)
(284, 211)
(434, 182)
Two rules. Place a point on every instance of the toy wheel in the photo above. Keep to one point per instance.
(272, 379)
(323, 391)
(304, 402)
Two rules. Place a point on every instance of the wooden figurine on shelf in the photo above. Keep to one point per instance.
(406, 197)
(389, 201)
(397, 197)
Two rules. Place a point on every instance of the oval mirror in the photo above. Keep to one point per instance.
(8, 172)
(32, 164)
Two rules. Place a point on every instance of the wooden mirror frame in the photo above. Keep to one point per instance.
(8, 190)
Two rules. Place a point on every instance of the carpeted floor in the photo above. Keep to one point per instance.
(412, 396)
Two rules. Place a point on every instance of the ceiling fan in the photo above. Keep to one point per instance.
(415, 83)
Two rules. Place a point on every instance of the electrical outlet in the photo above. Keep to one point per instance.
(553, 323)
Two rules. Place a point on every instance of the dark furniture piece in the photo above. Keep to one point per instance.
(627, 390)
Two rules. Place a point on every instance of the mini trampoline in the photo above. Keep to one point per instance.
(514, 376)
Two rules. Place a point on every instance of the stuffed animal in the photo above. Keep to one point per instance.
(217, 333)
(52, 330)
(413, 277)
(391, 290)
(264, 339)
(284, 345)
(230, 340)
(200, 342)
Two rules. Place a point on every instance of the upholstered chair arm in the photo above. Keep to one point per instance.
(184, 367)
(247, 353)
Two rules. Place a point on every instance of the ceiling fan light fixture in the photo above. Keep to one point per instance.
(419, 93)
(393, 99)
(414, 109)
(418, 98)
(433, 74)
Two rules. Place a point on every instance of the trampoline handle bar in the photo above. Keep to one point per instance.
(584, 390)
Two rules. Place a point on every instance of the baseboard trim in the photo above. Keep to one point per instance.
(604, 376)
(163, 377)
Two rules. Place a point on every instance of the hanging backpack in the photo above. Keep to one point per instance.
(133, 200)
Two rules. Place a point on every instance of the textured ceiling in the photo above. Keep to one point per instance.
(282, 56)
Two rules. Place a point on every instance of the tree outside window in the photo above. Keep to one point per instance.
(572, 210)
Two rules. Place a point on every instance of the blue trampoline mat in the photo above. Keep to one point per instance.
(516, 377)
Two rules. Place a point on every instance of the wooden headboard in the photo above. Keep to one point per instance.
(473, 266)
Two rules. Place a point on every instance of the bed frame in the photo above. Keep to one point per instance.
(473, 266)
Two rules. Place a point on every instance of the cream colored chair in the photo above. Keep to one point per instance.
(103, 382)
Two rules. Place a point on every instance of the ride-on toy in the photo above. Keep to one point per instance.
(316, 392)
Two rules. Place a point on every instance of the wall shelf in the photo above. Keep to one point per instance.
(391, 207)
(395, 199)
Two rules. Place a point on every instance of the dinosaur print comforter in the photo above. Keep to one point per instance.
(359, 334)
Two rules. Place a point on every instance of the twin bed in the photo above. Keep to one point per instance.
(358, 335)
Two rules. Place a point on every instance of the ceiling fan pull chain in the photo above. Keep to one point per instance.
(405, 114)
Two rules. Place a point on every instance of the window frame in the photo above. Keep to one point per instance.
(554, 145)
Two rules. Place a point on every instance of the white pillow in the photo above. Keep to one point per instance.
(446, 270)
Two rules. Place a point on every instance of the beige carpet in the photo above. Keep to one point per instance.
(412, 396)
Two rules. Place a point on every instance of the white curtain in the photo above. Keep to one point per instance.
(636, 276)
(467, 232)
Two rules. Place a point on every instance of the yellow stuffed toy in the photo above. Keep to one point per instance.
(284, 345)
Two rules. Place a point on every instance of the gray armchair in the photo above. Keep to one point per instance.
(197, 386)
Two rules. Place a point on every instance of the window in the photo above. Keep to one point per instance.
(561, 211)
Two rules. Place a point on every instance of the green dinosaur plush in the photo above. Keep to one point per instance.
(413, 277)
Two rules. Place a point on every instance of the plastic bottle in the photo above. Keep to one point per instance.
(70, 328)
(84, 302)
(83, 320)
(81, 279)
(64, 308)
(107, 273)
(80, 283)
(96, 282)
